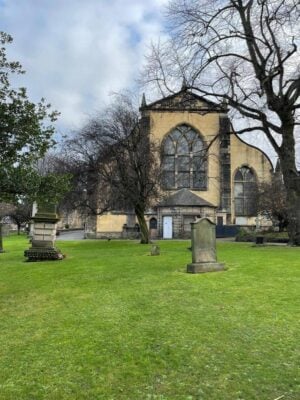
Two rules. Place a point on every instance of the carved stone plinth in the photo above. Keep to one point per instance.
(204, 258)
(198, 268)
(44, 235)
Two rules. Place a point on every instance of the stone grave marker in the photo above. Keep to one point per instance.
(204, 258)
(155, 250)
(44, 235)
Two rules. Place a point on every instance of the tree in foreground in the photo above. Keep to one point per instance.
(26, 132)
(246, 53)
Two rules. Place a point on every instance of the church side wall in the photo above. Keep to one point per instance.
(110, 225)
(243, 154)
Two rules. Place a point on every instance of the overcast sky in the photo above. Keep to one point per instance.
(76, 53)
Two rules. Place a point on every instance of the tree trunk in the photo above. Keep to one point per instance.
(281, 225)
(1, 238)
(294, 216)
(291, 179)
(19, 228)
(140, 214)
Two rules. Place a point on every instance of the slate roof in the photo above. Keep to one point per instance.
(184, 198)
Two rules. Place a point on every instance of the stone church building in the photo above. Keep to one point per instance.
(208, 170)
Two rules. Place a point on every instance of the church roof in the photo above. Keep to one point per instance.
(185, 198)
(183, 100)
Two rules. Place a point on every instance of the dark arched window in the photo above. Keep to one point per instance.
(183, 160)
(153, 223)
(244, 192)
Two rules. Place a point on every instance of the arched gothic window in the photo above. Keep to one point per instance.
(183, 160)
(153, 223)
(244, 192)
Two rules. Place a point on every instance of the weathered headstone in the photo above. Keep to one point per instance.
(155, 250)
(204, 258)
(44, 235)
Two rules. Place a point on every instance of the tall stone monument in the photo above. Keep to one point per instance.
(204, 258)
(44, 235)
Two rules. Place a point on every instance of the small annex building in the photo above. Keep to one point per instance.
(176, 212)
(208, 171)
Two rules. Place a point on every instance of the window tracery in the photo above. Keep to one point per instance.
(183, 160)
(244, 192)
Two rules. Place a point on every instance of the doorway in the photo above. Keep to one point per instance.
(167, 227)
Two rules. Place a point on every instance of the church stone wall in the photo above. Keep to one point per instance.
(111, 224)
(243, 154)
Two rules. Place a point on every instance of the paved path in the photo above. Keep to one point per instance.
(71, 235)
(79, 235)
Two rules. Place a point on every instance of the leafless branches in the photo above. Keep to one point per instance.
(113, 163)
(243, 51)
(247, 53)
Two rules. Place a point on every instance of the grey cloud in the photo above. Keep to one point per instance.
(76, 53)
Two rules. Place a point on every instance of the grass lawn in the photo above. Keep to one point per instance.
(110, 322)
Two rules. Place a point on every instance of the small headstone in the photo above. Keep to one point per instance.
(260, 240)
(44, 235)
(204, 258)
(155, 250)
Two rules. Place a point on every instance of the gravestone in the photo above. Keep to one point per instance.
(44, 235)
(204, 258)
(155, 250)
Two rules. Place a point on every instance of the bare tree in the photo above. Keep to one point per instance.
(271, 201)
(83, 158)
(246, 53)
(113, 164)
(134, 166)
(20, 214)
(5, 208)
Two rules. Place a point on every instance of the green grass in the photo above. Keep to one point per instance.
(111, 322)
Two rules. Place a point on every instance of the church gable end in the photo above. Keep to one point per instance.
(182, 101)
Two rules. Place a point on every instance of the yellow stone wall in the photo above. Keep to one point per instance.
(114, 222)
(243, 154)
(111, 222)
